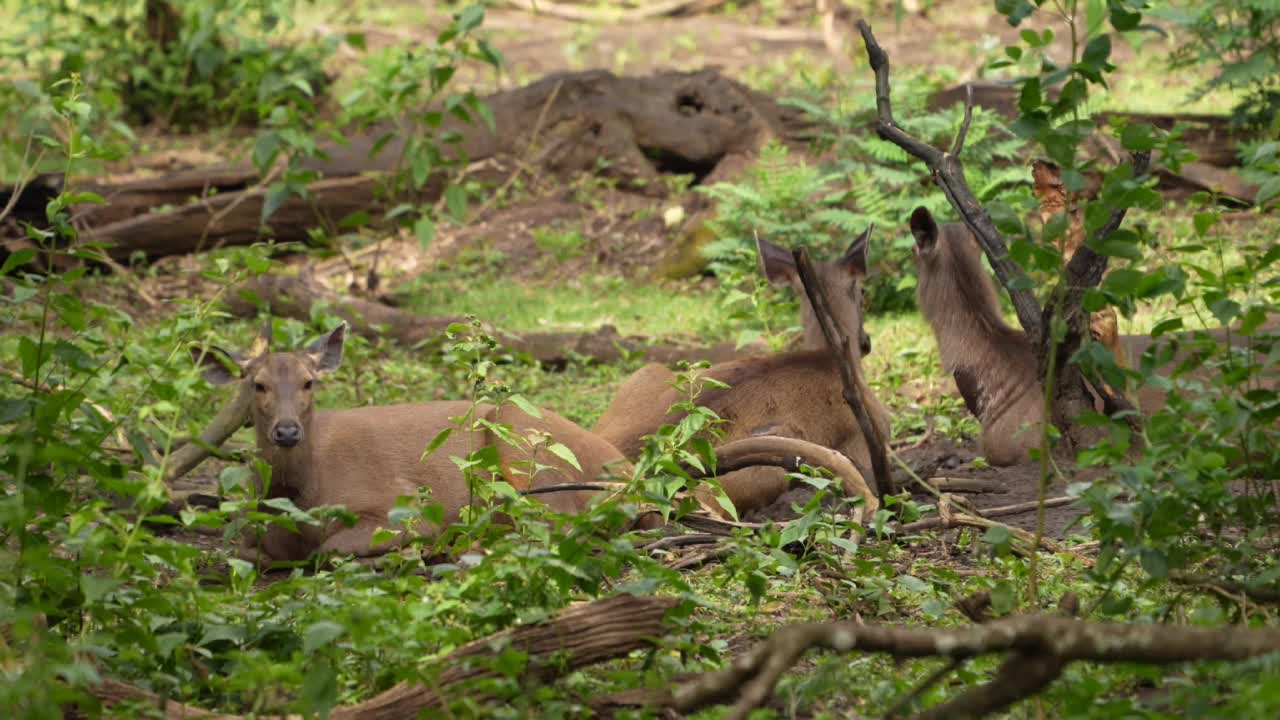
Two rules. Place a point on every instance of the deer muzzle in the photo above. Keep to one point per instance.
(286, 433)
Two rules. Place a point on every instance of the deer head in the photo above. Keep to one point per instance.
(283, 382)
(842, 279)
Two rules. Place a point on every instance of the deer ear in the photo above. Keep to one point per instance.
(776, 262)
(216, 364)
(327, 351)
(924, 229)
(854, 259)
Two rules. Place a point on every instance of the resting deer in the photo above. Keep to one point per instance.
(794, 394)
(364, 458)
(994, 365)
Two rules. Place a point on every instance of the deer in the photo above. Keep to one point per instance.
(795, 393)
(364, 458)
(994, 365)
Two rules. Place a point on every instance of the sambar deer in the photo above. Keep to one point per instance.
(994, 365)
(364, 458)
(795, 394)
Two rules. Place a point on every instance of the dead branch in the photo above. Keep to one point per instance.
(582, 635)
(948, 173)
(1043, 643)
(293, 296)
(1265, 595)
(1025, 543)
(1020, 508)
(855, 388)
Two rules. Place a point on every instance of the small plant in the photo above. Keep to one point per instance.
(1241, 40)
(560, 244)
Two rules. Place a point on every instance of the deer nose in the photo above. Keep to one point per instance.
(286, 434)
(864, 343)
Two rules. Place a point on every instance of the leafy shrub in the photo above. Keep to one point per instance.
(186, 64)
(1241, 40)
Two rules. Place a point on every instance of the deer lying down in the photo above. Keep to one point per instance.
(994, 365)
(364, 458)
(795, 394)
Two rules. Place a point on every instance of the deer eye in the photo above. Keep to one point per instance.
(307, 385)
(259, 387)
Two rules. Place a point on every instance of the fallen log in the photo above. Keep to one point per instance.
(631, 129)
(294, 297)
(580, 636)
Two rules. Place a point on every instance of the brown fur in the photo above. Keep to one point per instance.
(842, 279)
(364, 458)
(794, 394)
(994, 364)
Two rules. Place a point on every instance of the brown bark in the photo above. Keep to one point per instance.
(580, 636)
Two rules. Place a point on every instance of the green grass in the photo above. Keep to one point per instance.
(579, 303)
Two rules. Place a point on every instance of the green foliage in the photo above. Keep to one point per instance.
(1240, 39)
(177, 63)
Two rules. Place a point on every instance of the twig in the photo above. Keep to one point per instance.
(966, 485)
(1257, 594)
(850, 371)
(1020, 508)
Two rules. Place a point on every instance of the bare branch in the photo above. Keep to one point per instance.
(1040, 646)
(958, 146)
(948, 173)
(855, 388)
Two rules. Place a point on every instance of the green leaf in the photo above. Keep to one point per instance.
(20, 257)
(1097, 52)
(319, 634)
(996, 535)
(95, 588)
(1205, 220)
(470, 18)
(1015, 11)
(437, 441)
(1122, 19)
(525, 406)
(1137, 136)
(276, 196)
(425, 230)
(455, 198)
(1155, 562)
(564, 453)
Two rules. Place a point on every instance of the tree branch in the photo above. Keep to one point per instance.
(1040, 646)
(948, 173)
(855, 388)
